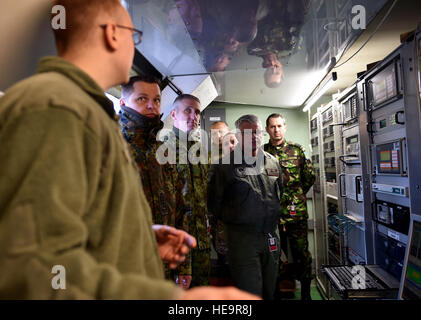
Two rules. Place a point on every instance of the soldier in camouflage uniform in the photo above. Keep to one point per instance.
(278, 37)
(140, 121)
(186, 114)
(298, 177)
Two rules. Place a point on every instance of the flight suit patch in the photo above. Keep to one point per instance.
(272, 172)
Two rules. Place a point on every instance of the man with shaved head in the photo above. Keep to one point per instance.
(74, 221)
(186, 117)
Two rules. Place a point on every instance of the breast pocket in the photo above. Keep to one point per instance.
(240, 191)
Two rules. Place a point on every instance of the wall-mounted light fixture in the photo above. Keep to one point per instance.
(319, 91)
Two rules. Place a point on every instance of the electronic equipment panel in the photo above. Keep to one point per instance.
(392, 215)
(329, 146)
(352, 146)
(313, 124)
(390, 158)
(330, 162)
(387, 173)
(315, 142)
(327, 116)
(383, 87)
(389, 254)
(410, 288)
(328, 132)
(350, 109)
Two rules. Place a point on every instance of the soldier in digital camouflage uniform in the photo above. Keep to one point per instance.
(298, 177)
(186, 114)
(140, 121)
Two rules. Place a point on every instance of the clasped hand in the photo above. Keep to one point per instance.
(173, 244)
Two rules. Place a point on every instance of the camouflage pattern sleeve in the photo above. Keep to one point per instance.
(184, 268)
(183, 216)
(308, 175)
(130, 136)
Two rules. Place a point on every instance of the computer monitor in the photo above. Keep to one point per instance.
(410, 286)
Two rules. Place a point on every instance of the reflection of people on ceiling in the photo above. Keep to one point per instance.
(278, 37)
(227, 25)
(189, 11)
(274, 74)
(184, 17)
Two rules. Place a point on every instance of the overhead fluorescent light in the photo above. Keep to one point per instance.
(115, 101)
(317, 94)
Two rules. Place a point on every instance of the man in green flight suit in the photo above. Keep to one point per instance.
(245, 192)
(298, 177)
(70, 195)
(140, 122)
(193, 172)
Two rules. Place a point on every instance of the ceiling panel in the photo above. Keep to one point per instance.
(261, 52)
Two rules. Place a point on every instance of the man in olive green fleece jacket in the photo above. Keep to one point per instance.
(70, 194)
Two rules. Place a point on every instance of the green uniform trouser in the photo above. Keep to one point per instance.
(296, 232)
(252, 265)
(200, 267)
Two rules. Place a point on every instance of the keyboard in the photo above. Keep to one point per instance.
(362, 282)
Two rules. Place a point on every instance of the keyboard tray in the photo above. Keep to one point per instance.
(378, 283)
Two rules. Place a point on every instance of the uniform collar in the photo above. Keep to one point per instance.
(178, 132)
(279, 145)
(81, 78)
(183, 136)
(140, 121)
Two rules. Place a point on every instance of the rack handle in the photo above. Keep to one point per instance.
(340, 185)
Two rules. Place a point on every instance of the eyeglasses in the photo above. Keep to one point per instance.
(250, 131)
(136, 34)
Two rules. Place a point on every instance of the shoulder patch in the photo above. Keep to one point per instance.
(296, 145)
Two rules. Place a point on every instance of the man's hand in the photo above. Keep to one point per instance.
(173, 244)
(217, 293)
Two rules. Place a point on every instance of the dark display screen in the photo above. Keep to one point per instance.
(383, 86)
(353, 139)
(383, 123)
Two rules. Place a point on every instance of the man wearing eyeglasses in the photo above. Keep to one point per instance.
(70, 197)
